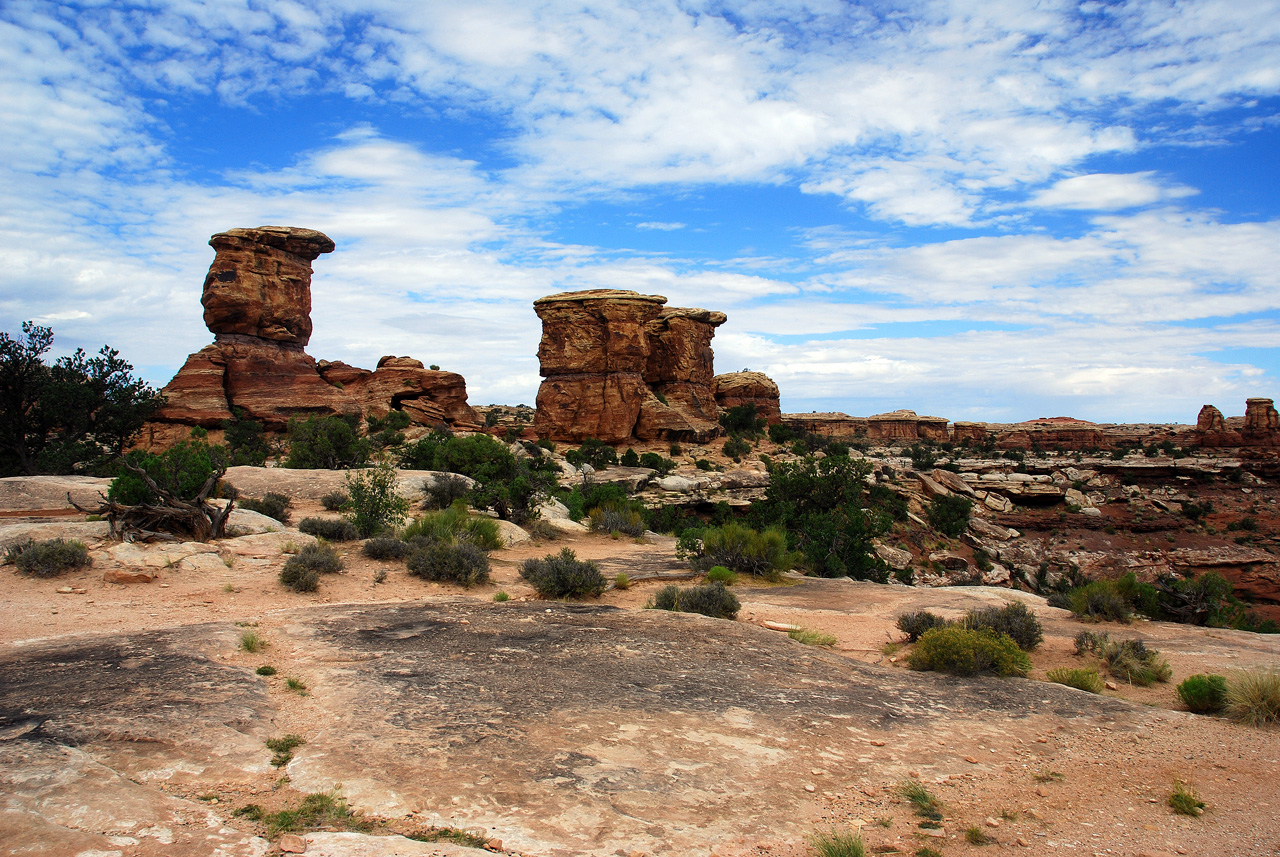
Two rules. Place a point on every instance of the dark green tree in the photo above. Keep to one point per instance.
(76, 415)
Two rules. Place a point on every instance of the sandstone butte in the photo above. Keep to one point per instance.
(257, 303)
(619, 365)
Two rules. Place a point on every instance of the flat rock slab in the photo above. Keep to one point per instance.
(560, 729)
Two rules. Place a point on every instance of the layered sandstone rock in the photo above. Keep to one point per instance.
(1051, 433)
(903, 425)
(620, 365)
(257, 299)
(1258, 428)
(749, 388)
(827, 424)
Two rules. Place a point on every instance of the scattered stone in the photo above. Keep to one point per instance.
(119, 575)
(292, 843)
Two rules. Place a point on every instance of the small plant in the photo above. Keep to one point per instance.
(272, 505)
(616, 518)
(501, 596)
(563, 576)
(950, 515)
(739, 548)
(711, 599)
(926, 851)
(927, 806)
(265, 670)
(450, 834)
(810, 637)
(964, 651)
(283, 749)
(251, 642)
(1184, 801)
(380, 576)
(1253, 697)
(335, 501)
(48, 558)
(914, 625)
(1080, 679)
(1204, 694)
(302, 571)
(385, 547)
(454, 524)
(1129, 660)
(622, 581)
(720, 574)
(1013, 619)
(330, 529)
(374, 505)
(296, 685)
(317, 810)
(1048, 777)
(462, 563)
(974, 836)
(837, 844)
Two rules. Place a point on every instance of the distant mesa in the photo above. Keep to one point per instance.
(619, 366)
(1259, 427)
(257, 303)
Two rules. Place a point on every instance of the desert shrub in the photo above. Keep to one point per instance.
(325, 443)
(837, 844)
(670, 519)
(926, 804)
(965, 651)
(593, 452)
(1204, 694)
(49, 558)
(1184, 800)
(375, 505)
(455, 524)
(461, 563)
(332, 529)
(630, 458)
(246, 443)
(810, 637)
(563, 576)
(272, 505)
(1013, 619)
(1253, 697)
(1080, 679)
(742, 549)
(183, 470)
(743, 420)
(542, 531)
(720, 574)
(583, 498)
(654, 461)
(1129, 660)
(318, 810)
(445, 490)
(385, 547)
(302, 571)
(704, 464)
(1099, 601)
(1204, 600)
(614, 518)
(335, 501)
(914, 625)
(950, 515)
(781, 434)
(712, 599)
(735, 447)
(388, 431)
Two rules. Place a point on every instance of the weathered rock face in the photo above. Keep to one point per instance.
(1052, 433)
(257, 300)
(260, 282)
(827, 424)
(620, 365)
(895, 425)
(1259, 427)
(749, 388)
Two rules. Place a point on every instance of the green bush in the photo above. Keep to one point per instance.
(743, 420)
(563, 576)
(272, 505)
(385, 547)
(914, 625)
(445, 490)
(593, 452)
(1013, 619)
(965, 651)
(1129, 660)
(1204, 694)
(735, 447)
(245, 440)
(461, 563)
(583, 498)
(630, 458)
(720, 574)
(374, 505)
(1184, 801)
(781, 434)
(949, 515)
(302, 571)
(614, 518)
(49, 558)
(1099, 601)
(654, 461)
(742, 549)
(335, 501)
(837, 844)
(512, 487)
(455, 524)
(326, 443)
(711, 599)
(1080, 679)
(1253, 697)
(184, 470)
(330, 529)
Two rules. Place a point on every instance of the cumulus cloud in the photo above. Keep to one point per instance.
(1108, 192)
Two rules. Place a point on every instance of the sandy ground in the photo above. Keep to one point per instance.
(1045, 783)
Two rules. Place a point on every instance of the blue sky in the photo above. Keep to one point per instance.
(980, 210)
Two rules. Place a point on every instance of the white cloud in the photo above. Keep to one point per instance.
(1108, 192)
(660, 225)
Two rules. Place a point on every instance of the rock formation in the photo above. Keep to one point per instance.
(749, 388)
(257, 300)
(1259, 428)
(619, 365)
